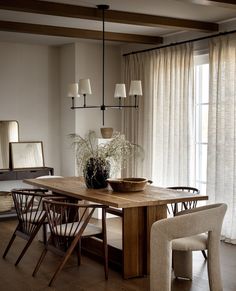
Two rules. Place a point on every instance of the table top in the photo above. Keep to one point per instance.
(152, 195)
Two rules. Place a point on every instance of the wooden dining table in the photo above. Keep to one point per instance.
(139, 211)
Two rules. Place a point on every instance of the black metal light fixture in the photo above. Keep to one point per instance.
(83, 87)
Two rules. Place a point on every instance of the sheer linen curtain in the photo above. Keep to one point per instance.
(137, 125)
(164, 123)
(221, 172)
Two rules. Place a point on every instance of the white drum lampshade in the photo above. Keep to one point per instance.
(85, 87)
(73, 90)
(120, 91)
(135, 88)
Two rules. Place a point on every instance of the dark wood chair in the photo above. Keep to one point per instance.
(174, 208)
(68, 223)
(31, 216)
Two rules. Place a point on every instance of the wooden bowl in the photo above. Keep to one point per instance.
(128, 184)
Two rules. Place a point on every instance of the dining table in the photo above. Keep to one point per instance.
(139, 211)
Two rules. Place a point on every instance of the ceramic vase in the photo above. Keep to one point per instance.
(106, 132)
(96, 172)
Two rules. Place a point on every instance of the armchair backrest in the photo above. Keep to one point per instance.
(191, 222)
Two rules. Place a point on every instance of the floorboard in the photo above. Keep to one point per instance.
(90, 275)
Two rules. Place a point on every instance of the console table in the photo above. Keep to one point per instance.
(20, 174)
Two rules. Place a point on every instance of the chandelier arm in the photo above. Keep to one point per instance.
(121, 106)
(82, 107)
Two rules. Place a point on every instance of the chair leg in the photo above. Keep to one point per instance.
(28, 244)
(40, 261)
(65, 259)
(105, 251)
(104, 242)
(23, 251)
(204, 254)
(213, 264)
(9, 244)
(44, 233)
(79, 252)
(182, 264)
(160, 264)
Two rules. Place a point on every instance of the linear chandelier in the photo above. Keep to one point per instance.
(83, 87)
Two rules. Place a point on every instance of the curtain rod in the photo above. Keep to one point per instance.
(181, 42)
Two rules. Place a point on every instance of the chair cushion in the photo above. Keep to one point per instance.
(34, 216)
(69, 229)
(191, 243)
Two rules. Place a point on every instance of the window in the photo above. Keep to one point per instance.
(201, 76)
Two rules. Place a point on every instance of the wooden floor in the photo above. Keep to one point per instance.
(90, 276)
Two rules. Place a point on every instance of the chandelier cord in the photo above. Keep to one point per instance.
(103, 7)
(103, 63)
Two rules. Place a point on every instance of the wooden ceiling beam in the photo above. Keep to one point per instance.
(76, 32)
(220, 3)
(68, 10)
(225, 3)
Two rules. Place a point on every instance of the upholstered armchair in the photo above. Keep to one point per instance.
(194, 229)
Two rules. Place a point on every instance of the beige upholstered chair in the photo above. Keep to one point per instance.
(194, 229)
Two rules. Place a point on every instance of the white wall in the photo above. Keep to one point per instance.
(33, 90)
(67, 115)
(29, 93)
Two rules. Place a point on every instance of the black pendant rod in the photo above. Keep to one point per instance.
(103, 64)
(181, 42)
(103, 107)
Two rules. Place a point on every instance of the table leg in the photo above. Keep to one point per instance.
(133, 242)
(154, 213)
(136, 229)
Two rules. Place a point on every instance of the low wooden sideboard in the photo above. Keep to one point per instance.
(20, 174)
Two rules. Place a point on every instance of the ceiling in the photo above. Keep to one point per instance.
(133, 21)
